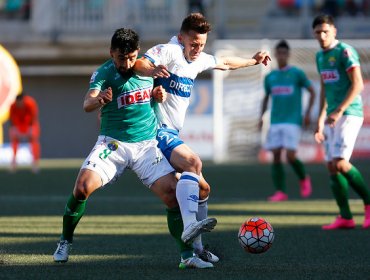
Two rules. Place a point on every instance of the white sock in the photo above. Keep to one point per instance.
(201, 215)
(187, 194)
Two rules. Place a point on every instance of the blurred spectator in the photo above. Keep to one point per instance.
(331, 7)
(24, 125)
(196, 6)
(16, 9)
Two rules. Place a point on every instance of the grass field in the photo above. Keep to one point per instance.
(123, 234)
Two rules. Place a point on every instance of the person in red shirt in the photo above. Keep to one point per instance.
(24, 124)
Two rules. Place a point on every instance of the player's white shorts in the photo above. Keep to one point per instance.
(110, 157)
(283, 135)
(340, 139)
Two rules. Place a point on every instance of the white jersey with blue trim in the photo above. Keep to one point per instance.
(180, 83)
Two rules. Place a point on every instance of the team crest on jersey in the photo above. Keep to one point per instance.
(113, 145)
(329, 76)
(139, 96)
(332, 61)
(93, 76)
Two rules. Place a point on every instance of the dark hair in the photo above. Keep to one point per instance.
(20, 96)
(126, 40)
(196, 22)
(282, 45)
(322, 19)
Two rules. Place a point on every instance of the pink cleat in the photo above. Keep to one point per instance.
(306, 188)
(366, 223)
(278, 196)
(340, 223)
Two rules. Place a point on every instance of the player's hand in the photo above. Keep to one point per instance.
(105, 96)
(159, 94)
(333, 118)
(262, 57)
(319, 133)
(160, 71)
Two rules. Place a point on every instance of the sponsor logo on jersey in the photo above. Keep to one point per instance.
(282, 90)
(330, 76)
(180, 86)
(134, 97)
(93, 76)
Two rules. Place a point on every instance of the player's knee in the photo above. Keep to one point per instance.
(341, 165)
(290, 157)
(83, 188)
(204, 190)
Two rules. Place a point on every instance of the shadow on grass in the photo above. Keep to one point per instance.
(303, 252)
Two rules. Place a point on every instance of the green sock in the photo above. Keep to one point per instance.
(357, 182)
(298, 168)
(339, 187)
(176, 226)
(278, 176)
(72, 214)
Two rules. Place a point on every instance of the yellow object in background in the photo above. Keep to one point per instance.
(10, 85)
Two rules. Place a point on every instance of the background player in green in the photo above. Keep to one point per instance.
(126, 140)
(284, 86)
(341, 117)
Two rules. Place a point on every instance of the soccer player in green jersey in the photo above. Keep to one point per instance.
(284, 87)
(341, 117)
(126, 141)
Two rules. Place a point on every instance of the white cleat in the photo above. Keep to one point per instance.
(196, 228)
(62, 252)
(194, 262)
(208, 256)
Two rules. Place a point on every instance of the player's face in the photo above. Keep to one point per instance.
(124, 62)
(282, 56)
(193, 43)
(325, 34)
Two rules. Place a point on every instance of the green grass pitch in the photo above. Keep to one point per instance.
(124, 235)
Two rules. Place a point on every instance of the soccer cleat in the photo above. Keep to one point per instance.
(278, 196)
(208, 256)
(194, 262)
(366, 223)
(196, 228)
(340, 223)
(306, 188)
(62, 252)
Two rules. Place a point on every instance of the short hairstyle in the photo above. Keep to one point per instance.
(282, 44)
(196, 22)
(322, 19)
(126, 40)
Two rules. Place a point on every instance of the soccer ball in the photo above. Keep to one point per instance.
(256, 235)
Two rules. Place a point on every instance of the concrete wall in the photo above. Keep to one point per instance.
(66, 130)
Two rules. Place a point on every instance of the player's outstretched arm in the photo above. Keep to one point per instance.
(95, 99)
(145, 67)
(234, 62)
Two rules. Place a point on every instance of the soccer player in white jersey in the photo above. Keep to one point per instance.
(341, 117)
(175, 65)
(284, 87)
